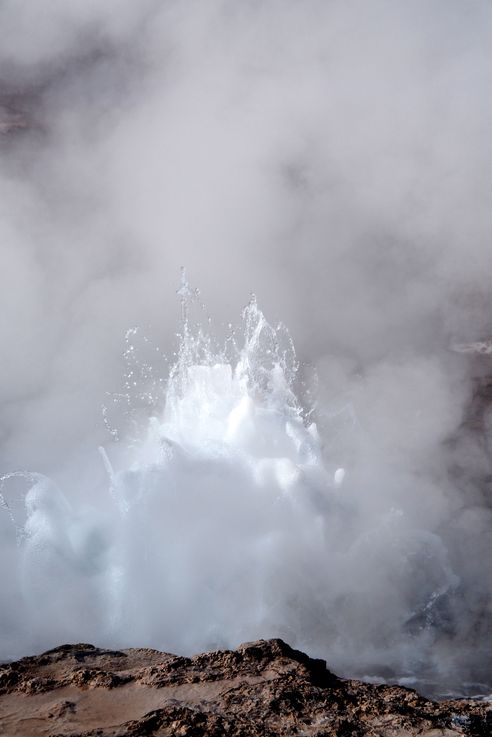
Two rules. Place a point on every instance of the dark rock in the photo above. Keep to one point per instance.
(263, 688)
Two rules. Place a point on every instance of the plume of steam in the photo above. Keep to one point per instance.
(334, 157)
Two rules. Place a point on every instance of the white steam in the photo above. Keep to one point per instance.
(335, 157)
(226, 523)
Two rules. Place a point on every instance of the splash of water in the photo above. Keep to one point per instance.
(215, 492)
(225, 522)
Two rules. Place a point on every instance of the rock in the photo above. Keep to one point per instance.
(263, 688)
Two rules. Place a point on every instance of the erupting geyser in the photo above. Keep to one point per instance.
(225, 522)
(217, 516)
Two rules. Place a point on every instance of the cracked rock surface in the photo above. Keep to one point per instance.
(263, 688)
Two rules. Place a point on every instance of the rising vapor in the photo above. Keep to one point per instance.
(334, 158)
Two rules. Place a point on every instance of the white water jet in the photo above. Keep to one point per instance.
(225, 485)
(224, 522)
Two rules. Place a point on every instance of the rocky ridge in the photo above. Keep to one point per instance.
(262, 688)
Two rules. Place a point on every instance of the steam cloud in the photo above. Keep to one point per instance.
(334, 157)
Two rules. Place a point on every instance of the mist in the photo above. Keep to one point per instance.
(335, 159)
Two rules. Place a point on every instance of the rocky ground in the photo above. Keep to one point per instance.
(262, 688)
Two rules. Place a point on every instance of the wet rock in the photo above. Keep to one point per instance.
(262, 688)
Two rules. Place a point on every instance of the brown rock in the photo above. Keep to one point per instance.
(263, 688)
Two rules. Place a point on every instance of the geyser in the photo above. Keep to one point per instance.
(219, 509)
(226, 520)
